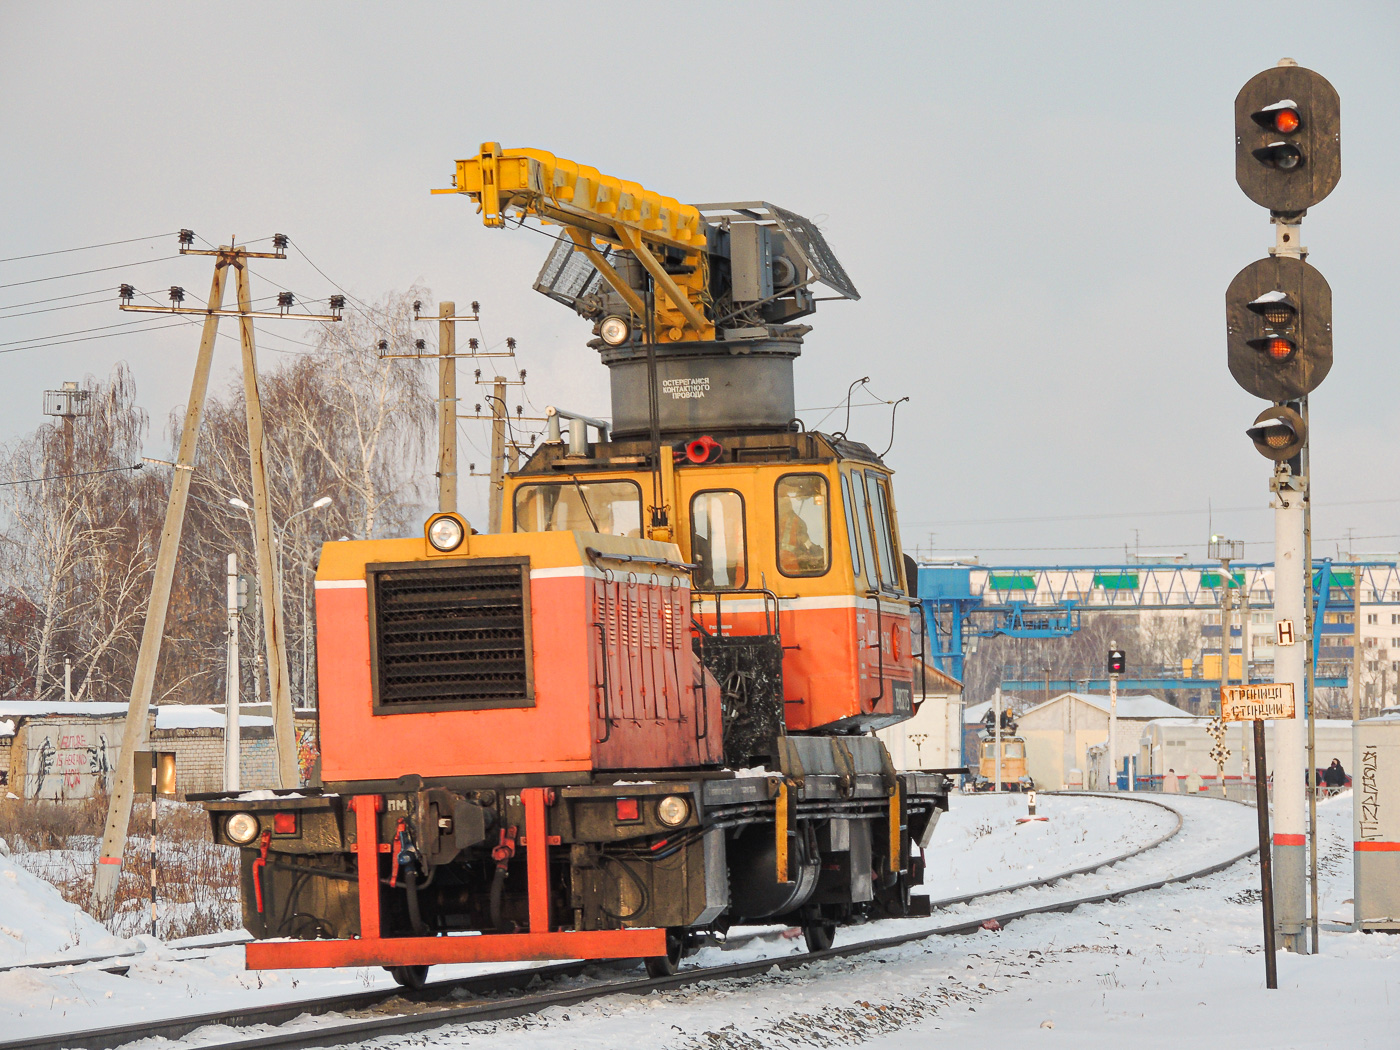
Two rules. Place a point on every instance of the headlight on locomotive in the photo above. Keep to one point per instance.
(673, 811)
(446, 534)
(242, 828)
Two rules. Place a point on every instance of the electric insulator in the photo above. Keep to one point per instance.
(279, 242)
(473, 344)
(337, 303)
(177, 294)
(476, 307)
(420, 344)
(284, 300)
(417, 305)
(126, 292)
(186, 238)
(510, 343)
(383, 344)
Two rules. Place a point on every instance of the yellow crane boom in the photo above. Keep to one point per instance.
(593, 207)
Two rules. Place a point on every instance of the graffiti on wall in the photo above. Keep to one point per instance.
(68, 761)
(307, 752)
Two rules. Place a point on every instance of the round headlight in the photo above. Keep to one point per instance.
(615, 330)
(242, 828)
(445, 534)
(672, 811)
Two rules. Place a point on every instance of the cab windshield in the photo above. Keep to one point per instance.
(611, 507)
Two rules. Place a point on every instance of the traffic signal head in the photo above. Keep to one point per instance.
(1278, 315)
(1287, 139)
(1117, 662)
(1279, 433)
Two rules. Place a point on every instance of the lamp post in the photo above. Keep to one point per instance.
(319, 504)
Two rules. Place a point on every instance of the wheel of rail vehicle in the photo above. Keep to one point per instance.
(668, 964)
(819, 935)
(411, 977)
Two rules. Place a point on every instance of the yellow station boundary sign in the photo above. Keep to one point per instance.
(1250, 703)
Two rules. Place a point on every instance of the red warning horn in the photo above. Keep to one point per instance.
(703, 450)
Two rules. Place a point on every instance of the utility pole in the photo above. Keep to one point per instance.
(279, 686)
(498, 452)
(1356, 651)
(233, 745)
(447, 407)
(996, 738)
(143, 682)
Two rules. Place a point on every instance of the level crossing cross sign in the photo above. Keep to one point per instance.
(1250, 703)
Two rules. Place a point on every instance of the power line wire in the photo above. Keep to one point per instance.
(54, 299)
(51, 309)
(80, 474)
(88, 247)
(81, 273)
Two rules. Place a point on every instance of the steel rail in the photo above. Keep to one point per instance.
(399, 1024)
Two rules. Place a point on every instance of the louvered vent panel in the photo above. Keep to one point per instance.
(453, 635)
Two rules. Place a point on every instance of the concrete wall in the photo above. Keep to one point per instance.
(930, 739)
(73, 757)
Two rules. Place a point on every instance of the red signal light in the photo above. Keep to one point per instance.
(1279, 349)
(1286, 121)
(284, 823)
(628, 809)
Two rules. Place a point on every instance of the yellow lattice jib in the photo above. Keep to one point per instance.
(596, 207)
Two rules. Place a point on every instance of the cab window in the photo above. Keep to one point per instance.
(884, 531)
(803, 525)
(717, 540)
(611, 507)
(862, 523)
(852, 531)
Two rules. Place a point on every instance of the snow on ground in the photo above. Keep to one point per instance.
(37, 923)
(1155, 969)
(979, 845)
(1171, 967)
(971, 844)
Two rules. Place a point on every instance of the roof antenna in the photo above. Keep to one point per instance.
(850, 390)
(892, 415)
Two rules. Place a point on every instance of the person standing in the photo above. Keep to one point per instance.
(1170, 782)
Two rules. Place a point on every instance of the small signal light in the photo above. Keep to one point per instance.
(1117, 662)
(1286, 121)
(1280, 349)
(284, 823)
(628, 809)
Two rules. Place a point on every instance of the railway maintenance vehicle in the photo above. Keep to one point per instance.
(643, 711)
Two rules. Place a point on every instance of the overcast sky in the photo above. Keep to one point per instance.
(1036, 201)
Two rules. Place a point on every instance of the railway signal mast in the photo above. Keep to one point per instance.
(1279, 325)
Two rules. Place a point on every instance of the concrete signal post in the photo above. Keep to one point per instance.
(1279, 338)
(1117, 664)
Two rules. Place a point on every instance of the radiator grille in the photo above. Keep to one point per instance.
(453, 635)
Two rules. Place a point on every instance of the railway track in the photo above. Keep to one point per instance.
(393, 1011)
